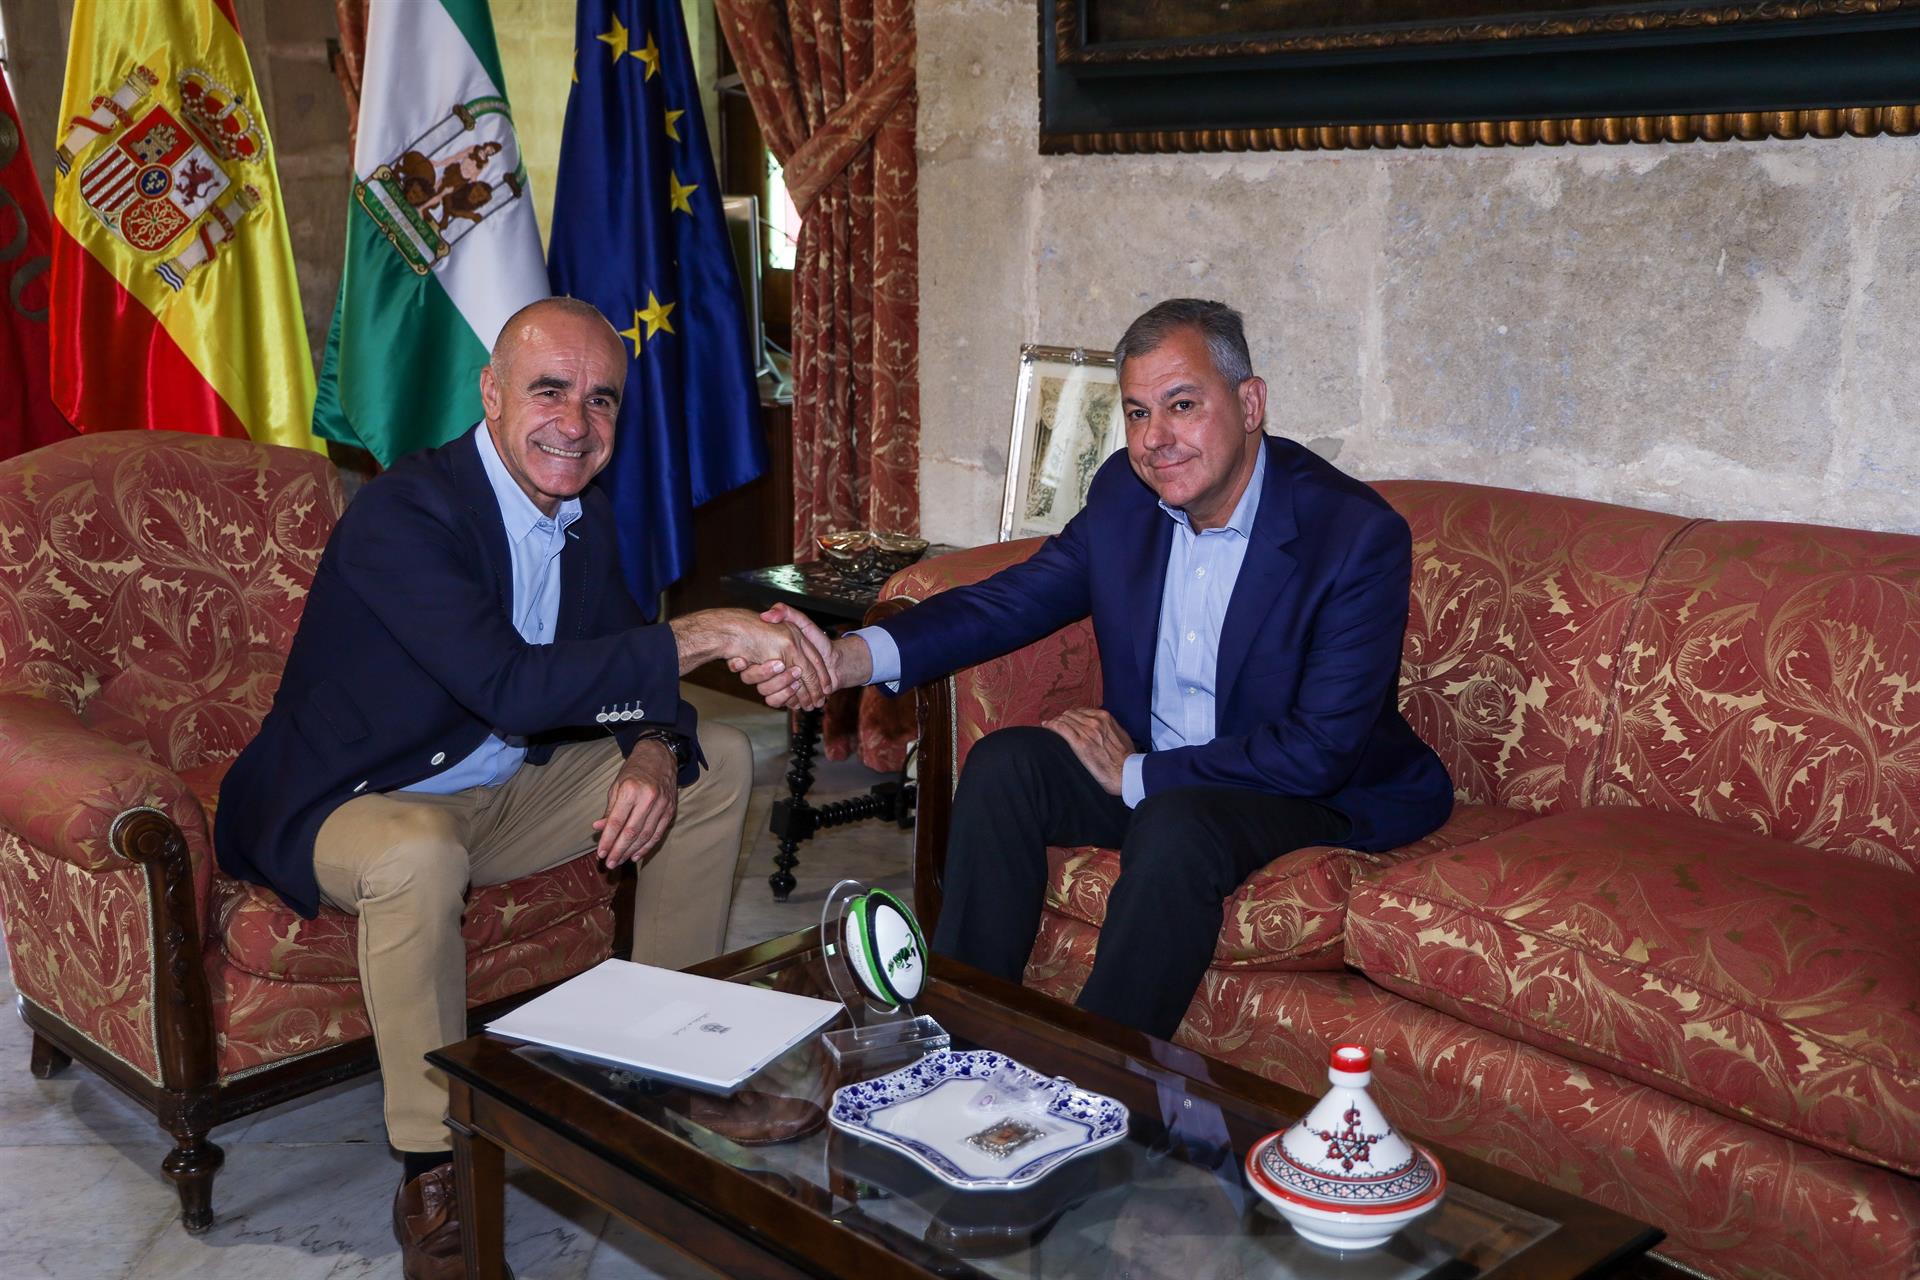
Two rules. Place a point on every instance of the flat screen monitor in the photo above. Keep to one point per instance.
(743, 229)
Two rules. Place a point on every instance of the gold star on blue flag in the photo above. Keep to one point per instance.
(638, 231)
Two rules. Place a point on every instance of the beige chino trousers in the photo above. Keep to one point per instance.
(403, 862)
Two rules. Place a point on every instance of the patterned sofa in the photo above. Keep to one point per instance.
(150, 586)
(1666, 953)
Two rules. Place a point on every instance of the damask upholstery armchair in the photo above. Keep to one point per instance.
(150, 587)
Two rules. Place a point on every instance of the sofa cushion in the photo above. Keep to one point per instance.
(261, 936)
(259, 1021)
(1291, 913)
(1747, 974)
(1772, 681)
(1519, 604)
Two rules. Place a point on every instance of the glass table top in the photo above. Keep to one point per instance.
(1171, 1201)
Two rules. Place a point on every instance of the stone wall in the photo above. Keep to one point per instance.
(1705, 329)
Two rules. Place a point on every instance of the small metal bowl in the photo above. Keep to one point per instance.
(862, 555)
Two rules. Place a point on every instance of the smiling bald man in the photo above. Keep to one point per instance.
(472, 697)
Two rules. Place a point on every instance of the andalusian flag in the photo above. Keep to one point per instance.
(174, 305)
(442, 245)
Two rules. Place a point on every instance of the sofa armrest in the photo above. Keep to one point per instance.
(69, 792)
(1027, 686)
(63, 784)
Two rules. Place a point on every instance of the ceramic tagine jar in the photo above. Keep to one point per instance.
(1342, 1176)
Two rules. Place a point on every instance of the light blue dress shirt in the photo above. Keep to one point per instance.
(534, 543)
(1201, 570)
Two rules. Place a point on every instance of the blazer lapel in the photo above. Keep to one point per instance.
(1262, 574)
(470, 481)
(578, 568)
(1145, 564)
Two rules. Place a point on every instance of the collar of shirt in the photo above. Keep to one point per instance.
(516, 508)
(1241, 521)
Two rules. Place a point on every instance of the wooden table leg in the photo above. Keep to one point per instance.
(480, 1175)
(793, 819)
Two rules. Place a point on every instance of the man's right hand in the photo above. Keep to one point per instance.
(779, 649)
(849, 663)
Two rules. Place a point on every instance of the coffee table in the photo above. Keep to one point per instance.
(1171, 1201)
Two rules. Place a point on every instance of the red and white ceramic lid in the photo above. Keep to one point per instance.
(1344, 1155)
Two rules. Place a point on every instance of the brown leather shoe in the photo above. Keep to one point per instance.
(426, 1222)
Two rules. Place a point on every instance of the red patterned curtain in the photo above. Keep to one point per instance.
(831, 82)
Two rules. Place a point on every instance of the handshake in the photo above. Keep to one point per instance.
(788, 660)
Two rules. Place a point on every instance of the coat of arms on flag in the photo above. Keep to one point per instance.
(446, 182)
(167, 167)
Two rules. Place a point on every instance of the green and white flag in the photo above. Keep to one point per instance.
(442, 245)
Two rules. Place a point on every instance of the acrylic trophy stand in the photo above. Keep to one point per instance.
(877, 961)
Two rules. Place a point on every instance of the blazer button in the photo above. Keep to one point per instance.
(601, 718)
(438, 756)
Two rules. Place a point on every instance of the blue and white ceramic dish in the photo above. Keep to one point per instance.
(978, 1120)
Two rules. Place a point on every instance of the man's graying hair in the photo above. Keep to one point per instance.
(1218, 323)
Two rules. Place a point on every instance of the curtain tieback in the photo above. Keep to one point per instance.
(825, 155)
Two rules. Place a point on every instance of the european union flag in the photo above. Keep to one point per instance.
(638, 231)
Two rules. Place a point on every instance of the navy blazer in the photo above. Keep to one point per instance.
(1309, 662)
(407, 658)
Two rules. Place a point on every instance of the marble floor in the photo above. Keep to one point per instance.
(306, 1189)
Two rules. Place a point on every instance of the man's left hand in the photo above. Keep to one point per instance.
(1097, 740)
(640, 805)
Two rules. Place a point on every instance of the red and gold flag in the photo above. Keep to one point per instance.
(174, 302)
(27, 416)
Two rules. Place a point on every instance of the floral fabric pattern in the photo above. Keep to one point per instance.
(1702, 1009)
(1728, 969)
(81, 943)
(162, 552)
(1024, 687)
(1772, 682)
(259, 1020)
(260, 935)
(1290, 914)
(1519, 604)
(150, 586)
(1735, 1201)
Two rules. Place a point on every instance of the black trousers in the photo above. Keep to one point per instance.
(1182, 854)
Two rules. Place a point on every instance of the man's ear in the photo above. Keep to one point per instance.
(489, 393)
(1253, 402)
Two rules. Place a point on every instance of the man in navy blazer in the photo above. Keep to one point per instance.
(1248, 600)
(472, 697)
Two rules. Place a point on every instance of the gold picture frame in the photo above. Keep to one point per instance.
(1066, 422)
(1124, 76)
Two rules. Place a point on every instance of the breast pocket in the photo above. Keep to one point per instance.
(329, 714)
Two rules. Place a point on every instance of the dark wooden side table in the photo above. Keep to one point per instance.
(838, 604)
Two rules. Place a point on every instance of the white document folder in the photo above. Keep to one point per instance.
(694, 1031)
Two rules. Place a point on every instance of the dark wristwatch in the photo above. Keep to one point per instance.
(679, 744)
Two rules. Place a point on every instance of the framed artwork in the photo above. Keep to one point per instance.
(1153, 75)
(1066, 422)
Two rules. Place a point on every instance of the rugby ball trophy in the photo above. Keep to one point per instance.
(877, 960)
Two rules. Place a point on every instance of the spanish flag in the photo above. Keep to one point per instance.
(173, 304)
